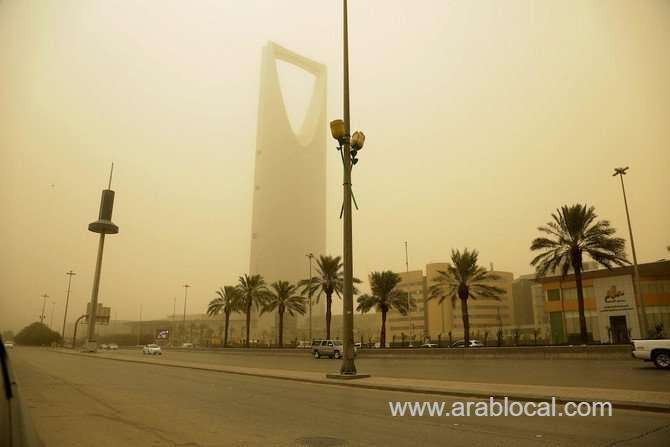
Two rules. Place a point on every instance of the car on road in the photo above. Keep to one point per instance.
(328, 348)
(113, 346)
(187, 345)
(104, 346)
(429, 345)
(657, 351)
(152, 349)
(473, 344)
(9, 344)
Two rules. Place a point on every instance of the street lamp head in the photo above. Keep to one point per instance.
(357, 140)
(620, 171)
(337, 130)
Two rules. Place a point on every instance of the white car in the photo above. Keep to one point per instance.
(657, 351)
(152, 349)
(429, 345)
(104, 346)
(9, 344)
(187, 345)
(113, 346)
(473, 344)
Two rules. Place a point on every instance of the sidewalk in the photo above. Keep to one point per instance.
(621, 399)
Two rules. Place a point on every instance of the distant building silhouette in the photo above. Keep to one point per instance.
(289, 201)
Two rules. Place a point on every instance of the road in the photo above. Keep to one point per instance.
(622, 374)
(84, 401)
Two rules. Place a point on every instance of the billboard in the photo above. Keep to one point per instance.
(162, 334)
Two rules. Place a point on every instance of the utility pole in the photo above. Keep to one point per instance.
(44, 305)
(641, 311)
(409, 308)
(70, 274)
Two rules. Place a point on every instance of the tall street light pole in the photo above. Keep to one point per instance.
(44, 305)
(53, 309)
(309, 294)
(70, 274)
(349, 145)
(186, 286)
(409, 303)
(639, 300)
(174, 320)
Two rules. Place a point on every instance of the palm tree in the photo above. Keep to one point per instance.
(385, 296)
(329, 280)
(228, 300)
(462, 280)
(284, 298)
(573, 232)
(253, 293)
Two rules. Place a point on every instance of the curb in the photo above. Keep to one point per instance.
(476, 394)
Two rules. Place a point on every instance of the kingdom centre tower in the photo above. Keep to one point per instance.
(289, 201)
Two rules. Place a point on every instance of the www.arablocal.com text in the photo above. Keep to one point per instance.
(504, 407)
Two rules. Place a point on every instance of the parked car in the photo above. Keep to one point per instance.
(104, 346)
(328, 348)
(152, 349)
(657, 351)
(429, 345)
(473, 344)
(113, 346)
(187, 345)
(9, 344)
(358, 345)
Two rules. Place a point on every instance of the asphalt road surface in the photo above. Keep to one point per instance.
(621, 374)
(84, 401)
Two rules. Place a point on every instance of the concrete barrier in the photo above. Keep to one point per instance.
(584, 352)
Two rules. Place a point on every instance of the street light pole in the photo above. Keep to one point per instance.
(44, 305)
(53, 309)
(309, 294)
(409, 308)
(349, 145)
(174, 321)
(67, 301)
(186, 286)
(348, 365)
(641, 312)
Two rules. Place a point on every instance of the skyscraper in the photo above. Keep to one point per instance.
(289, 200)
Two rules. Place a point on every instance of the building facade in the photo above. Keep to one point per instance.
(610, 306)
(410, 327)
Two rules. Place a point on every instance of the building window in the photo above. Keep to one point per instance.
(553, 295)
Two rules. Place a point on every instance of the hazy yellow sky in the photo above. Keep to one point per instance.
(481, 118)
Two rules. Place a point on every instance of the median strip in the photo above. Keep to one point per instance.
(620, 399)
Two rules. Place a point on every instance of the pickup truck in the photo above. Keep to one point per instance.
(657, 351)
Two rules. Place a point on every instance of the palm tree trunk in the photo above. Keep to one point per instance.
(281, 329)
(246, 342)
(382, 335)
(329, 303)
(466, 322)
(583, 332)
(225, 336)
